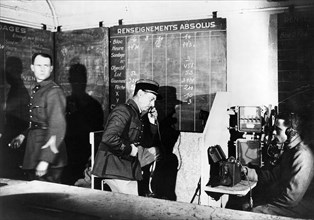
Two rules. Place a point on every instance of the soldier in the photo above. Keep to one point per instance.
(120, 153)
(45, 153)
(288, 188)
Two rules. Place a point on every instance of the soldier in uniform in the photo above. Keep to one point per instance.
(121, 152)
(45, 153)
(287, 189)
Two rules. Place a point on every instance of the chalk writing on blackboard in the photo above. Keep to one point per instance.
(187, 55)
(17, 45)
(88, 47)
(21, 42)
(295, 54)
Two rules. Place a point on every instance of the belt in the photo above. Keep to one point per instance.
(36, 125)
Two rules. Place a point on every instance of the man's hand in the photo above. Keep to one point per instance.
(244, 170)
(249, 173)
(152, 115)
(52, 144)
(134, 150)
(17, 141)
(42, 168)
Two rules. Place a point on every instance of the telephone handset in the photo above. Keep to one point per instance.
(215, 154)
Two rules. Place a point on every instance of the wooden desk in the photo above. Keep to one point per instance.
(50, 201)
(240, 189)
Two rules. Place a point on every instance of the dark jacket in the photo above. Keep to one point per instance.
(124, 127)
(47, 118)
(290, 185)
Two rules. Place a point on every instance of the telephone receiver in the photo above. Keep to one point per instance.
(215, 154)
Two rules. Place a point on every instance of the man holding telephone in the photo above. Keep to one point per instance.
(288, 188)
(117, 158)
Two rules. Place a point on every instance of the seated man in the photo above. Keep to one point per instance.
(288, 188)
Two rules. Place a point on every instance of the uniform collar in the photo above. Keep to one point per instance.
(132, 103)
(294, 141)
(37, 85)
(44, 82)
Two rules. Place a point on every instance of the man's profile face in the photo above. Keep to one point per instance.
(280, 131)
(42, 68)
(146, 100)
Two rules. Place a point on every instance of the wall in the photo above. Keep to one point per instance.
(251, 60)
(252, 72)
(251, 80)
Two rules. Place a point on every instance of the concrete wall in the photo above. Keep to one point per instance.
(251, 80)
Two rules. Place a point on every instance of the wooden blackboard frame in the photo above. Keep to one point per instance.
(192, 51)
(185, 57)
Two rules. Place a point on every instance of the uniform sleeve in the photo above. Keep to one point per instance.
(266, 176)
(56, 104)
(113, 137)
(301, 177)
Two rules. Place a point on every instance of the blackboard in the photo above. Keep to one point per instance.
(295, 56)
(89, 48)
(17, 44)
(21, 42)
(187, 59)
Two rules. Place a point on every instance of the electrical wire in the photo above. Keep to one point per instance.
(179, 153)
(248, 181)
(302, 89)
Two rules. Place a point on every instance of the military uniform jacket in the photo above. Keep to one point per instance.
(47, 118)
(124, 127)
(290, 185)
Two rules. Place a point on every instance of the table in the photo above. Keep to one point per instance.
(240, 189)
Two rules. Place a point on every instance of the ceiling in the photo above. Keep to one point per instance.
(78, 14)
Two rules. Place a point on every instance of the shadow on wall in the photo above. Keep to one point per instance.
(84, 114)
(16, 119)
(164, 177)
(196, 111)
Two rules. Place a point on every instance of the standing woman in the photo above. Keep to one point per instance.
(45, 154)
